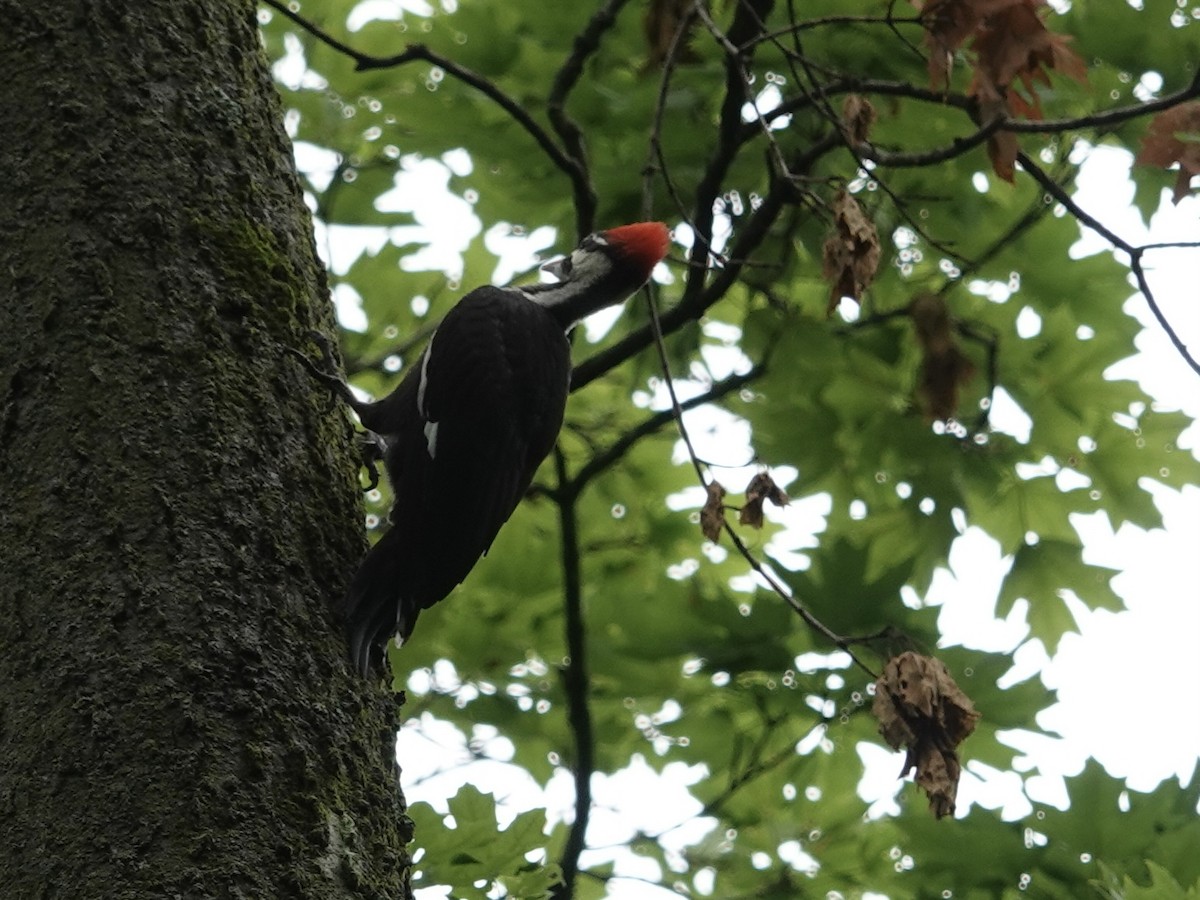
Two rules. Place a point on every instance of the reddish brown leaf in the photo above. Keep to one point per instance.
(761, 487)
(944, 367)
(851, 254)
(948, 24)
(712, 515)
(1013, 53)
(919, 707)
(935, 329)
(1002, 149)
(1013, 46)
(1174, 137)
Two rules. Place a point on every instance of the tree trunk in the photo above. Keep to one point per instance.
(177, 500)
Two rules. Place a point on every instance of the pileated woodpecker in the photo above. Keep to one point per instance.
(467, 427)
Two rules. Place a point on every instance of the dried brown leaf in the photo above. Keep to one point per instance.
(1002, 149)
(712, 515)
(1013, 45)
(944, 367)
(858, 115)
(919, 707)
(948, 24)
(762, 487)
(850, 256)
(1013, 53)
(1174, 137)
(662, 22)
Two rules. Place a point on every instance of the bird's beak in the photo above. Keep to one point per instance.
(556, 268)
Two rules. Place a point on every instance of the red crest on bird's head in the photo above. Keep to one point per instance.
(643, 243)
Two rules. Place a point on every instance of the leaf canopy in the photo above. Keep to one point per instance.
(573, 116)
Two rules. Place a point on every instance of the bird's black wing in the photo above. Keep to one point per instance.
(477, 415)
(496, 388)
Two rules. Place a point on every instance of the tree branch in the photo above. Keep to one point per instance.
(585, 44)
(575, 680)
(414, 52)
(1051, 187)
(697, 300)
(727, 142)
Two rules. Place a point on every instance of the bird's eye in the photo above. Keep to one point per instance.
(565, 265)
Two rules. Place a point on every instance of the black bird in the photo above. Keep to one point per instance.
(464, 432)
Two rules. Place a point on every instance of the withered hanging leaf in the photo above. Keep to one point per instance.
(1002, 149)
(712, 515)
(761, 487)
(919, 707)
(944, 367)
(858, 115)
(851, 254)
(948, 23)
(1013, 52)
(1013, 44)
(663, 20)
(1174, 137)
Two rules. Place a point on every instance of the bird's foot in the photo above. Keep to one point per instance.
(327, 371)
(373, 448)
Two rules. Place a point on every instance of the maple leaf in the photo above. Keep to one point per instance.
(1013, 45)
(1174, 137)
(944, 367)
(712, 515)
(1014, 53)
(948, 24)
(850, 256)
(919, 707)
(761, 487)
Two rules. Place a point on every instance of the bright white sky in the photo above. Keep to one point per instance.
(1125, 684)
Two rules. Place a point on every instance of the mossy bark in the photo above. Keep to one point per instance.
(178, 505)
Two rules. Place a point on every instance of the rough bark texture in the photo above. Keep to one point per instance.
(177, 715)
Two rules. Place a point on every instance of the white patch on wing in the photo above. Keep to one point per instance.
(424, 382)
(431, 430)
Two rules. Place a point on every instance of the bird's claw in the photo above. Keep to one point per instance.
(373, 447)
(326, 372)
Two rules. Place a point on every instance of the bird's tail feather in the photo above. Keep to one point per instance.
(374, 608)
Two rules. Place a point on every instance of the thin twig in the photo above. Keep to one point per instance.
(809, 24)
(735, 65)
(957, 147)
(763, 572)
(604, 459)
(726, 148)
(1051, 187)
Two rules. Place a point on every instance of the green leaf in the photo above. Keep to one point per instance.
(1041, 574)
(690, 662)
(476, 851)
